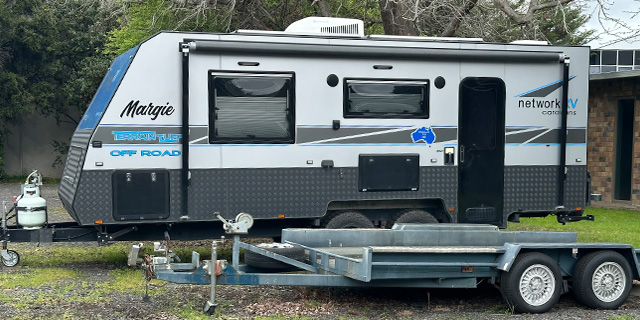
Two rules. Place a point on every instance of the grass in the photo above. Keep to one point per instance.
(29, 277)
(115, 254)
(610, 225)
(624, 317)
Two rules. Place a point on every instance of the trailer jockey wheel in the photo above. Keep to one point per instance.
(533, 285)
(602, 280)
(412, 216)
(10, 258)
(208, 308)
(347, 220)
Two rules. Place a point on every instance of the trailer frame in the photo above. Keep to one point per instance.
(428, 256)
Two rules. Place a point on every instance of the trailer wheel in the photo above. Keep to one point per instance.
(10, 258)
(533, 285)
(602, 280)
(284, 249)
(347, 220)
(413, 216)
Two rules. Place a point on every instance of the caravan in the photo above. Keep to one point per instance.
(321, 125)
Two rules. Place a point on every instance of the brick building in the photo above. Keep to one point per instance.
(614, 112)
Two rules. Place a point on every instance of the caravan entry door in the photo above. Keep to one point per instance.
(481, 150)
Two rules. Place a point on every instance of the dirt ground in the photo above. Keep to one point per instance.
(85, 296)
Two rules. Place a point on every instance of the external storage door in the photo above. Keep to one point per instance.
(481, 150)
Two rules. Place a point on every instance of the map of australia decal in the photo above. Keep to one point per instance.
(423, 134)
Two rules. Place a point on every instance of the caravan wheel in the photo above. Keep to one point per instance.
(413, 216)
(347, 220)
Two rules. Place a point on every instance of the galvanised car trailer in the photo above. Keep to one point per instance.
(532, 268)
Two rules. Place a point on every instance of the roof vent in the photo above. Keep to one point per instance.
(327, 26)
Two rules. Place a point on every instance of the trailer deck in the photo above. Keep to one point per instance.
(543, 264)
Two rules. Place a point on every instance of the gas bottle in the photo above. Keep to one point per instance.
(31, 208)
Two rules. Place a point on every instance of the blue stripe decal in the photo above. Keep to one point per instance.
(546, 85)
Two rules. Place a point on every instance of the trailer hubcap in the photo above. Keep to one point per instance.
(537, 285)
(608, 281)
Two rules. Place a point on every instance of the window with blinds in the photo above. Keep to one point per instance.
(374, 98)
(251, 108)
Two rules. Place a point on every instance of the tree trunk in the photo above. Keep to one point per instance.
(397, 17)
(323, 6)
(456, 18)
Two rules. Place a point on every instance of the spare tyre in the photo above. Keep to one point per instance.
(257, 260)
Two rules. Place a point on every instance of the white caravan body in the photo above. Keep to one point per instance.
(289, 126)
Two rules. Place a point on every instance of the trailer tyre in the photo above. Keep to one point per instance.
(284, 249)
(533, 285)
(10, 259)
(602, 280)
(347, 220)
(413, 216)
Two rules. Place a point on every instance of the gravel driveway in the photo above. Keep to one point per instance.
(72, 298)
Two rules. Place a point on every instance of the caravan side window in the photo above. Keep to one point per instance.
(251, 108)
(373, 98)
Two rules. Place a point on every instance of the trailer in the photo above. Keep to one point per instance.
(322, 126)
(531, 268)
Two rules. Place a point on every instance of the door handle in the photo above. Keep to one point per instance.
(461, 157)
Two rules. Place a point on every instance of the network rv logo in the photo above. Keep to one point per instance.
(536, 99)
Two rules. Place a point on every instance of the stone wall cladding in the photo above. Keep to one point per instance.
(603, 110)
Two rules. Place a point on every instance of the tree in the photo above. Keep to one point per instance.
(51, 58)
(493, 20)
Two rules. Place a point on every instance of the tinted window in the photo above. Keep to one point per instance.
(251, 108)
(380, 98)
(625, 58)
(609, 57)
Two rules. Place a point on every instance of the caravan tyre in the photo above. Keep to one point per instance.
(347, 220)
(533, 285)
(413, 216)
(602, 280)
(256, 260)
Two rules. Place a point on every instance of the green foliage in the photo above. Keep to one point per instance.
(51, 59)
(610, 225)
(562, 27)
(143, 19)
